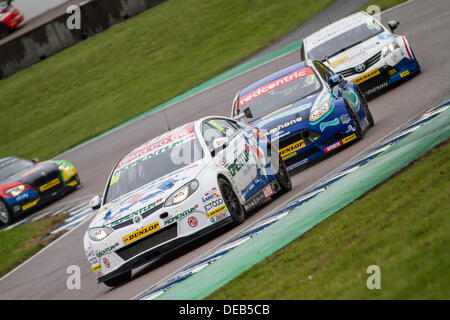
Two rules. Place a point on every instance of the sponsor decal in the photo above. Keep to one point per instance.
(213, 204)
(345, 118)
(285, 125)
(366, 76)
(349, 138)
(141, 233)
(350, 129)
(239, 162)
(192, 222)
(49, 185)
(298, 74)
(172, 139)
(376, 88)
(216, 211)
(219, 217)
(298, 164)
(333, 146)
(212, 194)
(284, 114)
(107, 250)
(267, 191)
(338, 61)
(333, 122)
(96, 268)
(29, 205)
(255, 201)
(181, 215)
(292, 148)
(106, 263)
(132, 215)
(404, 73)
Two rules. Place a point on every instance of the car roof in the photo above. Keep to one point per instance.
(7, 160)
(273, 77)
(338, 27)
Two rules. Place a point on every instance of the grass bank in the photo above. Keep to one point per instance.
(135, 66)
(21, 242)
(401, 226)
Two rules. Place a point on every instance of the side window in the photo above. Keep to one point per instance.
(224, 126)
(217, 128)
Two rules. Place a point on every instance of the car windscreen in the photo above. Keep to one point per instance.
(11, 166)
(345, 41)
(279, 93)
(152, 167)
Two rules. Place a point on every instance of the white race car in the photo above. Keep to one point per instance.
(362, 50)
(176, 188)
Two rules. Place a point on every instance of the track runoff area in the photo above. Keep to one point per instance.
(160, 289)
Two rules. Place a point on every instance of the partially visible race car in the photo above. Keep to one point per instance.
(365, 52)
(306, 110)
(25, 185)
(10, 18)
(176, 188)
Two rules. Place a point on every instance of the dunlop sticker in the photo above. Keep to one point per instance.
(141, 233)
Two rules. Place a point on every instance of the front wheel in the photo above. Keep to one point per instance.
(231, 201)
(5, 215)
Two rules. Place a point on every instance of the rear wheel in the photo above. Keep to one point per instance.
(120, 279)
(231, 201)
(5, 215)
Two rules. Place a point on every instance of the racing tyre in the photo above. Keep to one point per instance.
(5, 215)
(366, 108)
(282, 174)
(120, 279)
(231, 201)
(283, 177)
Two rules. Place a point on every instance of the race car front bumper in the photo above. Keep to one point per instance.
(379, 78)
(305, 143)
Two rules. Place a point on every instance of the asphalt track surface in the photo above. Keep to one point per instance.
(44, 276)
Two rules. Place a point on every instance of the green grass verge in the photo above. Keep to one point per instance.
(401, 226)
(20, 243)
(134, 66)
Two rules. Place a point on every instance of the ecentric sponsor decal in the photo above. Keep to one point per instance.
(298, 74)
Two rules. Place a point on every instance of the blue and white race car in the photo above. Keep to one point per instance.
(306, 109)
(362, 50)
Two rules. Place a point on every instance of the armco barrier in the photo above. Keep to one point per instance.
(53, 36)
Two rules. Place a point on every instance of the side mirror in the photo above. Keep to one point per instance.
(35, 160)
(335, 80)
(220, 144)
(95, 203)
(393, 24)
